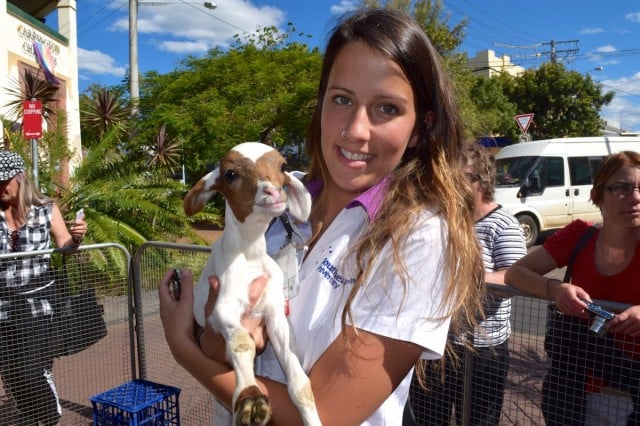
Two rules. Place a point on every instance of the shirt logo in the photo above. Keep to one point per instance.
(330, 272)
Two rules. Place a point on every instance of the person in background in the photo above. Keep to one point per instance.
(606, 268)
(502, 244)
(380, 278)
(29, 221)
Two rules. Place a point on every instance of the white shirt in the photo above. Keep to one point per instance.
(382, 307)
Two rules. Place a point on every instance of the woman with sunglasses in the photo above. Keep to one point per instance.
(29, 221)
(605, 267)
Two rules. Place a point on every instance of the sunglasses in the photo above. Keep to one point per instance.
(622, 188)
(15, 240)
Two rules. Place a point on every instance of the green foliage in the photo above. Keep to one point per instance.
(564, 103)
(101, 109)
(254, 91)
(495, 107)
(30, 87)
(124, 199)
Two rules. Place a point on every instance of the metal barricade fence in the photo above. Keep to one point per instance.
(604, 403)
(155, 361)
(135, 347)
(27, 330)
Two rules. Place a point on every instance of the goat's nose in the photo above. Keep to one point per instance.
(272, 190)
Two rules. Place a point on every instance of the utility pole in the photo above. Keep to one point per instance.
(134, 88)
(569, 54)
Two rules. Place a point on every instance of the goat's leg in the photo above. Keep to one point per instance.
(299, 385)
(250, 405)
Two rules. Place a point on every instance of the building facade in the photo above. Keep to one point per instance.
(29, 44)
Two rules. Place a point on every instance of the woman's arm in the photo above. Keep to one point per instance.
(528, 275)
(61, 235)
(348, 385)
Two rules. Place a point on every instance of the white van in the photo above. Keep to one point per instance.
(547, 183)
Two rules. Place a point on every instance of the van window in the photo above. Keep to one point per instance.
(548, 172)
(582, 169)
(513, 171)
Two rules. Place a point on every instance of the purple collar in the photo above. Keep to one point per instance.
(370, 200)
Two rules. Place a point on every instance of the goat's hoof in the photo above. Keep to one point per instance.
(252, 408)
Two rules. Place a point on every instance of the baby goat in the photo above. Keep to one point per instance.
(253, 181)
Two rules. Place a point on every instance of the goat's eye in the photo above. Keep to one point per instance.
(230, 175)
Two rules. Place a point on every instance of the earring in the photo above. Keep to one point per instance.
(345, 134)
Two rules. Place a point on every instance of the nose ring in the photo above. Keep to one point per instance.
(345, 134)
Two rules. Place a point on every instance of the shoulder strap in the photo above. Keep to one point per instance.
(581, 243)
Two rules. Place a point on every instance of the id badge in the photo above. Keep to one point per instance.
(288, 262)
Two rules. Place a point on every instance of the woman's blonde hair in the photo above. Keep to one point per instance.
(29, 195)
(429, 174)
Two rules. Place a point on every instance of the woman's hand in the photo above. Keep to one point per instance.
(627, 322)
(212, 343)
(570, 299)
(177, 315)
(78, 230)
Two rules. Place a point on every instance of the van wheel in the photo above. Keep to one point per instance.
(529, 228)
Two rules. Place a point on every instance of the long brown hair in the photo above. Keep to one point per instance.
(429, 175)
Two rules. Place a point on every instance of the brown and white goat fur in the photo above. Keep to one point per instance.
(252, 179)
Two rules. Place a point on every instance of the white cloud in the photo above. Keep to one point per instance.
(624, 110)
(198, 27)
(182, 47)
(591, 31)
(96, 62)
(605, 49)
(344, 7)
(633, 17)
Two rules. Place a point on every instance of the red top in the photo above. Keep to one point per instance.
(623, 287)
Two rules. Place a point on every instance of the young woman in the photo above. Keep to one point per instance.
(29, 221)
(381, 277)
(606, 268)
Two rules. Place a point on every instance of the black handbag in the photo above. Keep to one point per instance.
(564, 333)
(78, 318)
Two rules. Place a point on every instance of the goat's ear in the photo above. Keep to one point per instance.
(197, 196)
(298, 198)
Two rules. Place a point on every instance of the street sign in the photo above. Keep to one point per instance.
(32, 119)
(524, 120)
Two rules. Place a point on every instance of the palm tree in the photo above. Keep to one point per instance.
(101, 110)
(31, 87)
(166, 150)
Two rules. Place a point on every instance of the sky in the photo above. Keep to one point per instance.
(595, 37)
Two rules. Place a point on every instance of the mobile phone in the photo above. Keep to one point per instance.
(175, 284)
(79, 215)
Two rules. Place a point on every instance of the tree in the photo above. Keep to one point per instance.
(564, 103)
(257, 90)
(125, 200)
(495, 107)
(101, 109)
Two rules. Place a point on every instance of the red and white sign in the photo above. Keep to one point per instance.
(524, 121)
(32, 119)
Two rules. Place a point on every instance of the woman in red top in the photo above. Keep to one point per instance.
(607, 268)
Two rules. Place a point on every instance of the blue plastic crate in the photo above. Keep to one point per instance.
(138, 402)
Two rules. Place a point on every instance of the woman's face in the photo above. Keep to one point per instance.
(9, 190)
(623, 210)
(369, 96)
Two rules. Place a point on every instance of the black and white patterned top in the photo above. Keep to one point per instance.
(26, 278)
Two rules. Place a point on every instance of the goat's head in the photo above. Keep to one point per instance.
(252, 178)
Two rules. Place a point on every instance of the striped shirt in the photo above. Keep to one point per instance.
(24, 277)
(502, 244)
